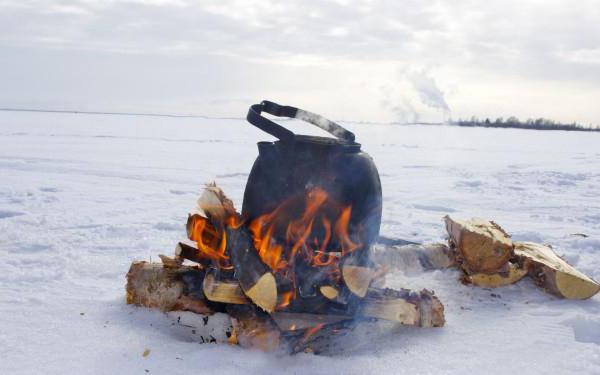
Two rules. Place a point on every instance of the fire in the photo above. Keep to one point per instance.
(318, 235)
(210, 241)
(310, 230)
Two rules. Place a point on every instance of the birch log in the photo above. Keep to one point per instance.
(553, 273)
(480, 246)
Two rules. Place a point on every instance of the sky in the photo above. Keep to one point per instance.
(363, 60)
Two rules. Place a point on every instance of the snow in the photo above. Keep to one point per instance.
(83, 196)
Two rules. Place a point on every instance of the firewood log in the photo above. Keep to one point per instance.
(191, 253)
(406, 307)
(357, 274)
(509, 274)
(480, 246)
(329, 292)
(215, 204)
(223, 291)
(156, 286)
(413, 258)
(421, 309)
(255, 277)
(553, 273)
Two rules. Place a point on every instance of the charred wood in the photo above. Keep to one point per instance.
(255, 277)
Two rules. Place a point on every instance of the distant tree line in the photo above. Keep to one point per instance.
(513, 122)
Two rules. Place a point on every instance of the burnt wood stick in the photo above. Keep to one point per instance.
(322, 339)
(289, 321)
(191, 253)
(255, 277)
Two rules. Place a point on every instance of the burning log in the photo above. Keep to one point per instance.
(191, 253)
(255, 278)
(215, 204)
(480, 246)
(222, 291)
(553, 273)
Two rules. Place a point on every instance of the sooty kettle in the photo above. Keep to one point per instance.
(294, 164)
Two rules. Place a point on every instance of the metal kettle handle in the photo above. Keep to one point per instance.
(255, 118)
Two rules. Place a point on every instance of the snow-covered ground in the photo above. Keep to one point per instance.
(83, 196)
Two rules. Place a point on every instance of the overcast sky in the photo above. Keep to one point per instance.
(368, 60)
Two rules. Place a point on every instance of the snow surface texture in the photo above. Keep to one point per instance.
(83, 196)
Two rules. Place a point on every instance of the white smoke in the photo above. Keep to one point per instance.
(429, 92)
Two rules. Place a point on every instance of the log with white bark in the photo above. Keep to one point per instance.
(480, 246)
(422, 309)
(553, 273)
(156, 286)
(412, 258)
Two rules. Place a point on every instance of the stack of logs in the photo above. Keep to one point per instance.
(240, 297)
(489, 258)
(231, 278)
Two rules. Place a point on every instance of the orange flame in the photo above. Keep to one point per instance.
(286, 298)
(341, 230)
(281, 238)
(214, 248)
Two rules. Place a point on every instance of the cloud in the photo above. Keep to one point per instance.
(311, 50)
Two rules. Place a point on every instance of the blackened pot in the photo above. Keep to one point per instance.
(296, 164)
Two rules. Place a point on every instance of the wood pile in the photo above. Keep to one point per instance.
(221, 272)
(489, 258)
